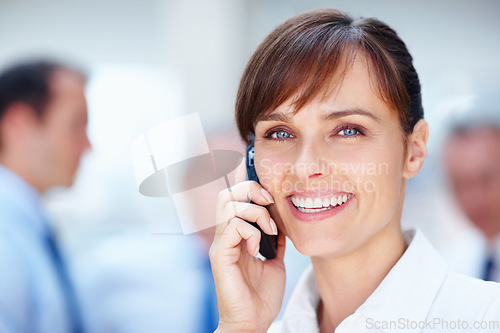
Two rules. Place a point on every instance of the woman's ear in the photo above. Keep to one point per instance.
(416, 149)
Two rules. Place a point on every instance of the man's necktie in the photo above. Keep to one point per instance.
(488, 269)
(65, 282)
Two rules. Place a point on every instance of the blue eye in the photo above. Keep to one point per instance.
(349, 132)
(281, 135)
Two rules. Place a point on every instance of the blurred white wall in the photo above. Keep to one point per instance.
(88, 31)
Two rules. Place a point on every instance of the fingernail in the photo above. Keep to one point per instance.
(256, 251)
(274, 228)
(267, 195)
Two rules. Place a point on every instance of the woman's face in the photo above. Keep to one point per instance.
(335, 168)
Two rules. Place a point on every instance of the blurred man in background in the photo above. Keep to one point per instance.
(43, 119)
(472, 162)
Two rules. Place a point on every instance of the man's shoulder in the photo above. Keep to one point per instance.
(14, 260)
(20, 239)
(18, 219)
(10, 211)
(14, 223)
(14, 240)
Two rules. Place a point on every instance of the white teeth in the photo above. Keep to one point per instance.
(314, 205)
(308, 203)
(318, 203)
(307, 210)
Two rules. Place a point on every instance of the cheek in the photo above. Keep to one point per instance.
(377, 177)
(495, 196)
(64, 146)
(367, 168)
(272, 169)
(466, 197)
(276, 215)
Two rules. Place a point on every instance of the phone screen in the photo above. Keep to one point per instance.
(268, 243)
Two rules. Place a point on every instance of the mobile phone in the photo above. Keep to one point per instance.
(268, 243)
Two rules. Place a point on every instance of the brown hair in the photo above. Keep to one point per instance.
(303, 53)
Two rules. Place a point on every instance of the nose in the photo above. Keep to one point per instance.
(309, 163)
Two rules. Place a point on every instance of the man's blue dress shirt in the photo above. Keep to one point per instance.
(32, 297)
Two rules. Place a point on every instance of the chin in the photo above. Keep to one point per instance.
(320, 245)
(324, 238)
(67, 182)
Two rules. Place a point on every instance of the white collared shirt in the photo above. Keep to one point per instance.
(419, 294)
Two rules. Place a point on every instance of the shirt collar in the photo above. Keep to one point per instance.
(17, 192)
(300, 313)
(407, 292)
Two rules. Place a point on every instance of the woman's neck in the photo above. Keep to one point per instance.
(345, 283)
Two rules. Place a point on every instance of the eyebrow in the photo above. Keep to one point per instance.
(329, 116)
(274, 117)
(350, 112)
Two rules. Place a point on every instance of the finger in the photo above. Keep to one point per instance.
(219, 230)
(246, 191)
(236, 231)
(241, 192)
(252, 213)
(249, 233)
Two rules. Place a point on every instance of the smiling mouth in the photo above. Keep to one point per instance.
(319, 204)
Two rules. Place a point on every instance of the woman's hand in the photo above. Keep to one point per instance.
(249, 290)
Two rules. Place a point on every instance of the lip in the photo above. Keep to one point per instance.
(310, 217)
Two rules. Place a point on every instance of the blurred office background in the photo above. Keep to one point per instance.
(151, 61)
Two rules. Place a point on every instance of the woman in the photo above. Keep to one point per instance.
(335, 108)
